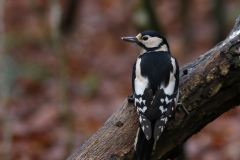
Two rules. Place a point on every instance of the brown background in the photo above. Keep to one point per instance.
(63, 87)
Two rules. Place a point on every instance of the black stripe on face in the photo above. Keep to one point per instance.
(154, 48)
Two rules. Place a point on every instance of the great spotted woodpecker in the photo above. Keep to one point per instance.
(155, 81)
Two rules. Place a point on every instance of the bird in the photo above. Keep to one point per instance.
(155, 87)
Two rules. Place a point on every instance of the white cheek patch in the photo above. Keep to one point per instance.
(152, 42)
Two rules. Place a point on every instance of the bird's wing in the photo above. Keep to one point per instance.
(165, 104)
(166, 99)
(158, 107)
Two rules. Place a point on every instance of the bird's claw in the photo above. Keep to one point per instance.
(181, 104)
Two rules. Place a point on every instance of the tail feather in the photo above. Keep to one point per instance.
(143, 146)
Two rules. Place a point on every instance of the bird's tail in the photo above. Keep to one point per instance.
(143, 146)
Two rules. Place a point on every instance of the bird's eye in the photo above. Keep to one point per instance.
(145, 38)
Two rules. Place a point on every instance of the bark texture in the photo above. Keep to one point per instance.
(210, 86)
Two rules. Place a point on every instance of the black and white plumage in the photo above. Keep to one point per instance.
(155, 81)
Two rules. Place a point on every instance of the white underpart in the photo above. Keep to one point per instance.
(167, 100)
(141, 83)
(162, 109)
(172, 80)
(142, 109)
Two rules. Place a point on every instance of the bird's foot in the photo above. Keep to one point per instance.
(130, 98)
(183, 107)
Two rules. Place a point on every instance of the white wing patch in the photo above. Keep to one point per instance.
(161, 127)
(139, 101)
(162, 100)
(164, 119)
(140, 83)
(162, 109)
(142, 109)
(140, 119)
(167, 100)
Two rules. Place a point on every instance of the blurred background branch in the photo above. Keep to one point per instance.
(4, 91)
(220, 19)
(59, 27)
(152, 16)
(145, 17)
(68, 19)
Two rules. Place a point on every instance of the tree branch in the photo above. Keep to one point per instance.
(210, 86)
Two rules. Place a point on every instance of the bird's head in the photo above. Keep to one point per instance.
(149, 41)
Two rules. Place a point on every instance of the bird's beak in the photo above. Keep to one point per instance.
(130, 39)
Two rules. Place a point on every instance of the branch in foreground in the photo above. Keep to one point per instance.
(210, 86)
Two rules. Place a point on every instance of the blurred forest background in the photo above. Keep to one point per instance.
(64, 71)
